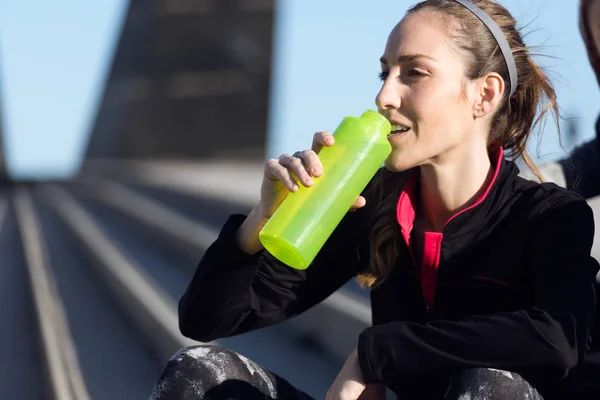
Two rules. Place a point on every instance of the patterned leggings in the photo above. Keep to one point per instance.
(213, 372)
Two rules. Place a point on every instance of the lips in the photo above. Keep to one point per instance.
(399, 128)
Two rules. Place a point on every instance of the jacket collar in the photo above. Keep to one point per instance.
(469, 218)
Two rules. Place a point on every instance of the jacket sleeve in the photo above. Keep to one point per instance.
(233, 292)
(551, 337)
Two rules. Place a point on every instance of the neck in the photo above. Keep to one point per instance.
(451, 183)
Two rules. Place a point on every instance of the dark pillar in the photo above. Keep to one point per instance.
(189, 80)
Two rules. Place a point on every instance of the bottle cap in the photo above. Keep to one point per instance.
(378, 120)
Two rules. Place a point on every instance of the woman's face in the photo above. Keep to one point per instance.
(425, 89)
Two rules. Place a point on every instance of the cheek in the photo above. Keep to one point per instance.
(434, 105)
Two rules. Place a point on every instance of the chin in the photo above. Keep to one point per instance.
(399, 162)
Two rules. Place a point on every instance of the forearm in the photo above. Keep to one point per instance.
(218, 292)
(247, 235)
(521, 339)
(235, 291)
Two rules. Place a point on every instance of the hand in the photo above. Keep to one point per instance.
(373, 391)
(283, 175)
(349, 384)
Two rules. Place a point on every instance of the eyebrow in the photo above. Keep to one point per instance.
(406, 58)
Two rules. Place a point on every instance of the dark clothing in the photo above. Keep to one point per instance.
(212, 372)
(489, 384)
(509, 285)
(579, 170)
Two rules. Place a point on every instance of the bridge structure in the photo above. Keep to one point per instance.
(92, 267)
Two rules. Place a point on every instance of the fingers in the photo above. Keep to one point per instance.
(373, 391)
(321, 139)
(301, 167)
(291, 169)
(275, 171)
(358, 203)
(311, 162)
(296, 165)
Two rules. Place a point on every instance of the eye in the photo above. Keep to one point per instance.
(383, 75)
(415, 73)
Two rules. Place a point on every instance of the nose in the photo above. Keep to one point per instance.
(388, 97)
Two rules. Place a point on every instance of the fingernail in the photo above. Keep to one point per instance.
(309, 181)
(316, 170)
(294, 188)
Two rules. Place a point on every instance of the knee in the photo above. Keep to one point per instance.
(200, 362)
(191, 371)
(491, 384)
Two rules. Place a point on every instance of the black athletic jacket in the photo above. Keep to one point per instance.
(508, 285)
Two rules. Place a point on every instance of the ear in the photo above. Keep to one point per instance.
(489, 94)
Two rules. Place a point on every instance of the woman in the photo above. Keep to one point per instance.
(481, 282)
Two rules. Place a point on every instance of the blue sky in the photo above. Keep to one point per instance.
(54, 58)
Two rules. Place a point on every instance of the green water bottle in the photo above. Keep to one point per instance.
(305, 219)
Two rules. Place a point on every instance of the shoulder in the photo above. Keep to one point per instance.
(540, 197)
(559, 229)
(549, 206)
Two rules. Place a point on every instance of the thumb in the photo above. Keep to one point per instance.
(358, 203)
